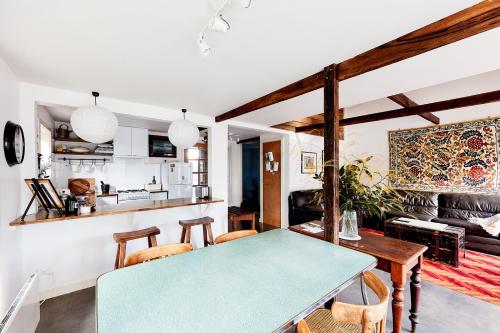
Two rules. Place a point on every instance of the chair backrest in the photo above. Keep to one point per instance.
(156, 252)
(368, 316)
(234, 235)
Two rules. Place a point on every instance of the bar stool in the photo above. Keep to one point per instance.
(123, 237)
(237, 214)
(206, 222)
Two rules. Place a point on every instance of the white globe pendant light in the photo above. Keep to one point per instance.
(93, 123)
(183, 133)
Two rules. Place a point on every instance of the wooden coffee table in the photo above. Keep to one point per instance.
(394, 256)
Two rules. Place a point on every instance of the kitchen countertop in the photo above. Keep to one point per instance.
(122, 208)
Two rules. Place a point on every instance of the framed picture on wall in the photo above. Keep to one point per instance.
(309, 162)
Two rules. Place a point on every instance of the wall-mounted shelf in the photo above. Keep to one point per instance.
(76, 140)
(82, 154)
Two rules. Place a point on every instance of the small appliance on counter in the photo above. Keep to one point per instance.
(201, 192)
(70, 205)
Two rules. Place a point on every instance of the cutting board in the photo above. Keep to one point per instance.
(83, 186)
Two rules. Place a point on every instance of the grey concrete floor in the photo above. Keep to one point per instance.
(441, 311)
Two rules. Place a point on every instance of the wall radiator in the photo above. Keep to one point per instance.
(23, 314)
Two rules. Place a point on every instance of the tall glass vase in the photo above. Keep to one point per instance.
(349, 226)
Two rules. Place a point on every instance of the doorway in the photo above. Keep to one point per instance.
(271, 183)
(250, 156)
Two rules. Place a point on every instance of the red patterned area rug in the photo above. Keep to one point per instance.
(478, 275)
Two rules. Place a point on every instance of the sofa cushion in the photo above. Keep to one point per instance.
(300, 199)
(470, 228)
(464, 206)
(420, 203)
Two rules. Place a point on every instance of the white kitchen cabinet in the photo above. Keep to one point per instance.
(131, 142)
(140, 144)
(122, 141)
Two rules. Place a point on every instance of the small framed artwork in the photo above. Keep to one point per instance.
(309, 162)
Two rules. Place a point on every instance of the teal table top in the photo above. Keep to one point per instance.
(255, 284)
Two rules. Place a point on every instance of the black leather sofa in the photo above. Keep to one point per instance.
(300, 209)
(451, 208)
(455, 209)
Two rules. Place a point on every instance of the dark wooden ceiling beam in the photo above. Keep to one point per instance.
(484, 98)
(463, 24)
(406, 102)
(298, 88)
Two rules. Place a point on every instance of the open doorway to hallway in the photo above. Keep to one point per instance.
(254, 180)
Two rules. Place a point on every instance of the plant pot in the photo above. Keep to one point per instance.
(349, 226)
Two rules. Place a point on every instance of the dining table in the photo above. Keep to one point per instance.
(262, 283)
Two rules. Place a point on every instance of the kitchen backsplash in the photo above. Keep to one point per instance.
(120, 174)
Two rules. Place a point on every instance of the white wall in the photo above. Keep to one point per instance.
(235, 174)
(72, 254)
(372, 138)
(11, 260)
(298, 143)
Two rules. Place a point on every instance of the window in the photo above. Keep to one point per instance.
(197, 156)
(44, 151)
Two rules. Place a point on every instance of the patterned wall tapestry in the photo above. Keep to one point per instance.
(462, 157)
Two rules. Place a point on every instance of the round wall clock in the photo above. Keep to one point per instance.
(13, 143)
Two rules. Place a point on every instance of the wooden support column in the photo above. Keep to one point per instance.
(331, 140)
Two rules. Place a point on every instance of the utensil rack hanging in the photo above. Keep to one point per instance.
(66, 159)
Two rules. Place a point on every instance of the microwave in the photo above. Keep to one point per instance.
(160, 146)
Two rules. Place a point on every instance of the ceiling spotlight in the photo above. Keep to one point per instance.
(246, 3)
(218, 23)
(204, 48)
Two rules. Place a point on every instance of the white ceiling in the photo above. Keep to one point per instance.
(241, 133)
(146, 51)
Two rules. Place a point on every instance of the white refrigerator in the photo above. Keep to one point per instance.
(179, 180)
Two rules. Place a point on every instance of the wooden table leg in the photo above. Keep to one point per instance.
(398, 277)
(415, 294)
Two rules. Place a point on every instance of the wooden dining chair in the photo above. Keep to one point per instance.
(234, 235)
(350, 318)
(156, 252)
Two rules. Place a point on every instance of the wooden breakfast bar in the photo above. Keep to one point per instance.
(123, 208)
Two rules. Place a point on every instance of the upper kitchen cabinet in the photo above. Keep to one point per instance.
(131, 142)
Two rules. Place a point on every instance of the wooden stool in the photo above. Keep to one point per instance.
(240, 214)
(123, 237)
(206, 222)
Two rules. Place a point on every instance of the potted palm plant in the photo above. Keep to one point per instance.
(356, 197)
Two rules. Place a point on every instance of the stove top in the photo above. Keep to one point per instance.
(133, 194)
